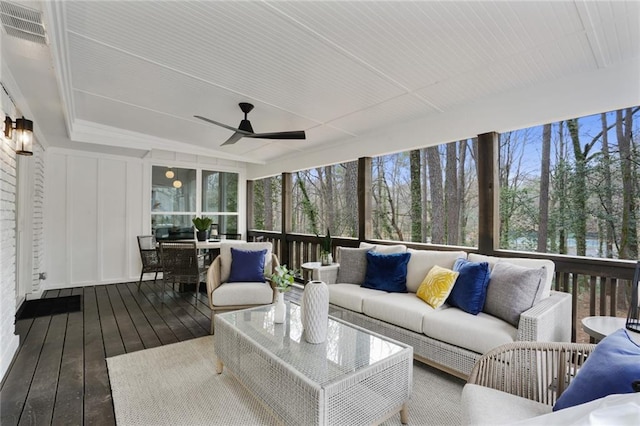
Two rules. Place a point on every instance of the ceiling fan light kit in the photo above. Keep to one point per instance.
(245, 130)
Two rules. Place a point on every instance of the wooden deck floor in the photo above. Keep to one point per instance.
(59, 375)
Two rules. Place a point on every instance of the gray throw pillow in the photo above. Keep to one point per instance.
(512, 290)
(353, 265)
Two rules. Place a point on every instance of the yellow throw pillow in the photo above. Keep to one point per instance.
(437, 285)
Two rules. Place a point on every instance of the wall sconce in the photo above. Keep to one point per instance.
(23, 134)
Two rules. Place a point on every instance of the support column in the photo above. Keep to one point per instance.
(287, 212)
(488, 191)
(365, 225)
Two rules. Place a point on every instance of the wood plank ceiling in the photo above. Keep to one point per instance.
(338, 70)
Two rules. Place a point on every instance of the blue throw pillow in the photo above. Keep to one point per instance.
(470, 290)
(611, 368)
(387, 272)
(247, 266)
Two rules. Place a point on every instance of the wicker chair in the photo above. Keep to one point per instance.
(233, 296)
(181, 264)
(149, 256)
(535, 371)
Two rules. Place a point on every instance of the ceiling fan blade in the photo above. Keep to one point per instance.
(295, 134)
(233, 129)
(234, 138)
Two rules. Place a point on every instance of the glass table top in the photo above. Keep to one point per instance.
(347, 348)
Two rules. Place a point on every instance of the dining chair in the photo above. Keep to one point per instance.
(181, 264)
(149, 256)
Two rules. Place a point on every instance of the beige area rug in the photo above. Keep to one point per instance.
(177, 385)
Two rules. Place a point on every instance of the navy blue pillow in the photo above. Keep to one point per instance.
(611, 368)
(247, 266)
(470, 290)
(387, 272)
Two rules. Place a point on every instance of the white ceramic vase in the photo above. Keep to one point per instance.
(281, 309)
(326, 258)
(315, 312)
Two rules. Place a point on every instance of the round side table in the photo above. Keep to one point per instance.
(308, 267)
(600, 327)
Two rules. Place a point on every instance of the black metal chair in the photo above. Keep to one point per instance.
(149, 256)
(181, 264)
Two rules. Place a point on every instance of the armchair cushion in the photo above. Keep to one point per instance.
(387, 272)
(383, 248)
(247, 265)
(610, 369)
(225, 255)
(243, 293)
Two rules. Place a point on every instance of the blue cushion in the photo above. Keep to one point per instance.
(247, 266)
(387, 272)
(611, 368)
(470, 290)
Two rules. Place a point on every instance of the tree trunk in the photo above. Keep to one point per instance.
(629, 232)
(425, 196)
(416, 196)
(543, 221)
(268, 204)
(607, 198)
(351, 200)
(329, 198)
(462, 160)
(437, 198)
(579, 196)
(451, 198)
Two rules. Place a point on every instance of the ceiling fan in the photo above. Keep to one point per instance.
(245, 130)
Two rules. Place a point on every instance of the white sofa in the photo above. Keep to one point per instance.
(447, 338)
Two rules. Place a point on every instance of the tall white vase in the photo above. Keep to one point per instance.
(281, 309)
(315, 312)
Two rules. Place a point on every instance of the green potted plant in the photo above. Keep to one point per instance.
(202, 224)
(326, 258)
(282, 278)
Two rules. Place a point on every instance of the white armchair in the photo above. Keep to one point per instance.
(225, 296)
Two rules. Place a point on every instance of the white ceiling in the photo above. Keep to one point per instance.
(361, 78)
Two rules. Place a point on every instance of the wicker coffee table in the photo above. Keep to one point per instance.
(355, 377)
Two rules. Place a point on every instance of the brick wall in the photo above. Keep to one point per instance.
(8, 340)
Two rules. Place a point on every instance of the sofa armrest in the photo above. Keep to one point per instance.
(327, 274)
(548, 321)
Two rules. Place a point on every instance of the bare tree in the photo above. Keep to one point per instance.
(268, 203)
(543, 221)
(416, 196)
(462, 205)
(351, 198)
(437, 198)
(451, 191)
(629, 231)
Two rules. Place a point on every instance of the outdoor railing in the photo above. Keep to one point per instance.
(597, 286)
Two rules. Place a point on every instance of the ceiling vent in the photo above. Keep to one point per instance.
(22, 22)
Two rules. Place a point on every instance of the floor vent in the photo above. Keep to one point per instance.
(22, 22)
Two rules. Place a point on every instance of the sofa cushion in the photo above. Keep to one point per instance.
(350, 296)
(225, 255)
(512, 290)
(402, 309)
(353, 265)
(550, 268)
(437, 285)
(387, 272)
(610, 369)
(422, 261)
(247, 265)
(478, 333)
(383, 248)
(247, 293)
(487, 406)
(470, 290)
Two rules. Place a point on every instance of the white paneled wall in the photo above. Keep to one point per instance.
(38, 216)
(8, 341)
(93, 206)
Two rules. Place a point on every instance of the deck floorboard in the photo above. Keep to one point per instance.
(59, 375)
